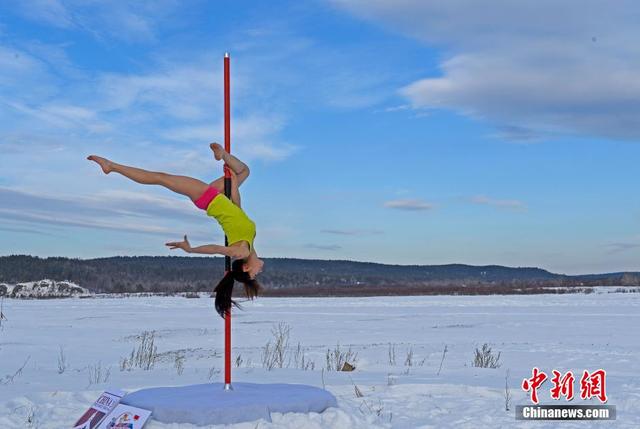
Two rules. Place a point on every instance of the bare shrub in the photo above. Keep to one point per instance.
(392, 354)
(507, 392)
(178, 363)
(281, 334)
(485, 358)
(62, 361)
(300, 360)
(126, 363)
(277, 352)
(408, 361)
(356, 389)
(266, 356)
(239, 360)
(376, 410)
(444, 353)
(32, 418)
(336, 358)
(213, 371)
(98, 374)
(274, 353)
(2, 316)
(357, 392)
(391, 379)
(30, 415)
(8, 379)
(143, 356)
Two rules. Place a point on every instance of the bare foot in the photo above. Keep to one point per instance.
(104, 163)
(218, 151)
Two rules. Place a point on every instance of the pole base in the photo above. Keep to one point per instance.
(228, 386)
(208, 404)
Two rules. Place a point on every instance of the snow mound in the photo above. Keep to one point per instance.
(42, 289)
(209, 404)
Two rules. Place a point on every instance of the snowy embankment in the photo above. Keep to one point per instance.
(56, 356)
(43, 289)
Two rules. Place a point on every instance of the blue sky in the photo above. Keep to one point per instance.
(416, 132)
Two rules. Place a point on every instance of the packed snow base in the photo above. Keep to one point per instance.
(207, 404)
(399, 343)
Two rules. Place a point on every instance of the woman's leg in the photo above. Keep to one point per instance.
(238, 167)
(192, 188)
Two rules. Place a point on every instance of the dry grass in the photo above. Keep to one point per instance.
(143, 356)
(336, 358)
(485, 358)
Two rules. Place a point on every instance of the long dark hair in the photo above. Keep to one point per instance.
(224, 290)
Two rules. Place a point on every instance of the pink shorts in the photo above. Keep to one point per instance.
(206, 198)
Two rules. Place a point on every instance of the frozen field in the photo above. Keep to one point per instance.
(564, 332)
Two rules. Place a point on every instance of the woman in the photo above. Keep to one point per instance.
(239, 229)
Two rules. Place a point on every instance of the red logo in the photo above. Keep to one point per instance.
(532, 384)
(591, 384)
(562, 385)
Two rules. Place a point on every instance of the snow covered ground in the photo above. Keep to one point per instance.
(564, 332)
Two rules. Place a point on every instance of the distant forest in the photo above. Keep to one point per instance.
(295, 277)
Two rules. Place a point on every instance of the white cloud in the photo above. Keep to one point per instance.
(24, 74)
(397, 108)
(111, 210)
(266, 151)
(128, 21)
(75, 221)
(542, 66)
(141, 202)
(52, 12)
(14, 63)
(309, 71)
(622, 247)
(329, 247)
(503, 204)
(253, 136)
(409, 205)
(134, 107)
(62, 116)
(179, 91)
(21, 143)
(350, 87)
(628, 245)
(352, 232)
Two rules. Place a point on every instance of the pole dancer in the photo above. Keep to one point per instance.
(239, 229)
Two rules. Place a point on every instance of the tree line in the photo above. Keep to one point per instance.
(287, 276)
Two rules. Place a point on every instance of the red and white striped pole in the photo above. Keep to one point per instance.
(227, 192)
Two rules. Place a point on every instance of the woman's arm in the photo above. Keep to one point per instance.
(214, 249)
(208, 249)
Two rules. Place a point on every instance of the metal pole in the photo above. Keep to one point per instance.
(227, 192)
